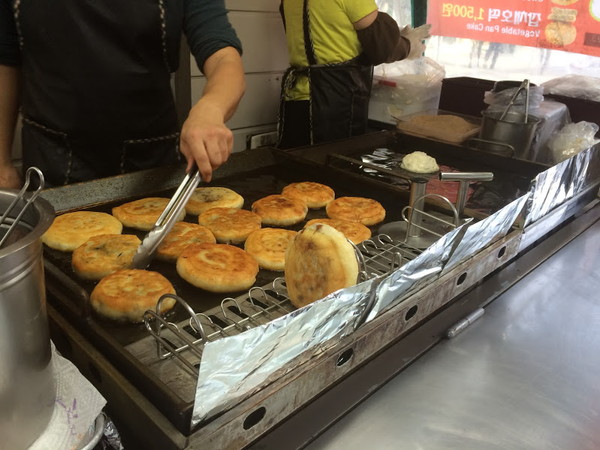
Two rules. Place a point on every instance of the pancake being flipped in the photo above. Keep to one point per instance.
(355, 231)
(230, 225)
(182, 235)
(217, 267)
(142, 214)
(68, 231)
(208, 197)
(356, 209)
(128, 294)
(268, 246)
(278, 210)
(104, 254)
(315, 195)
(319, 261)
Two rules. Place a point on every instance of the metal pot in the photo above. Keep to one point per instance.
(27, 392)
(512, 132)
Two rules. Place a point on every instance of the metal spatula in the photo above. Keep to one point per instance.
(167, 219)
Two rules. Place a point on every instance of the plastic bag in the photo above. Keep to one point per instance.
(572, 139)
(499, 101)
(405, 87)
(421, 71)
(574, 86)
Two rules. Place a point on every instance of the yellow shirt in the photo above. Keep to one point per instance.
(332, 31)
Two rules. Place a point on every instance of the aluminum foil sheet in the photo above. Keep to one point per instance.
(559, 183)
(480, 234)
(233, 368)
(416, 273)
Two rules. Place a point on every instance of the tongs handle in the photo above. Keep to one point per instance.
(21, 195)
(524, 85)
(165, 222)
(180, 198)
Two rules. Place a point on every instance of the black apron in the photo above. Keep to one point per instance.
(339, 94)
(97, 98)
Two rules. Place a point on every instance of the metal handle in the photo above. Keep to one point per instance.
(19, 197)
(462, 324)
(180, 198)
(464, 178)
(166, 220)
(510, 148)
(524, 85)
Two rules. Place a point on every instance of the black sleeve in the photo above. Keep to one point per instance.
(381, 41)
(10, 54)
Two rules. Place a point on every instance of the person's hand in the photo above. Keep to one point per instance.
(416, 36)
(205, 139)
(10, 178)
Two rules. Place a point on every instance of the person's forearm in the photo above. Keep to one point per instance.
(9, 109)
(225, 83)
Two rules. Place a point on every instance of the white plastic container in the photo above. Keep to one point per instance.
(404, 88)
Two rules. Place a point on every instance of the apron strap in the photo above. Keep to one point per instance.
(308, 44)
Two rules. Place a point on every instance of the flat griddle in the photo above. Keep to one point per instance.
(254, 174)
(70, 294)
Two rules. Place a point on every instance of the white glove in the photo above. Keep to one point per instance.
(416, 36)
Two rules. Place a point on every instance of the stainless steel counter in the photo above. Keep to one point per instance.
(526, 375)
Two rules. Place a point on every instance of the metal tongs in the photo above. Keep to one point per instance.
(524, 85)
(167, 220)
(21, 196)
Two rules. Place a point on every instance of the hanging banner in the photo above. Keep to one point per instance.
(568, 25)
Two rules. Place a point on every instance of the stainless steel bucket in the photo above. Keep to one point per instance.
(509, 136)
(27, 392)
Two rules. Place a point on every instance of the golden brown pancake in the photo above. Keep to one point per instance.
(280, 211)
(319, 261)
(208, 197)
(128, 294)
(355, 231)
(142, 214)
(315, 195)
(104, 254)
(217, 267)
(356, 209)
(230, 225)
(268, 246)
(70, 230)
(560, 33)
(182, 235)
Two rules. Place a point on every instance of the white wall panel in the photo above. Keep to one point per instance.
(263, 42)
(260, 104)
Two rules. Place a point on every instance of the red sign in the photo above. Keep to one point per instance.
(569, 25)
